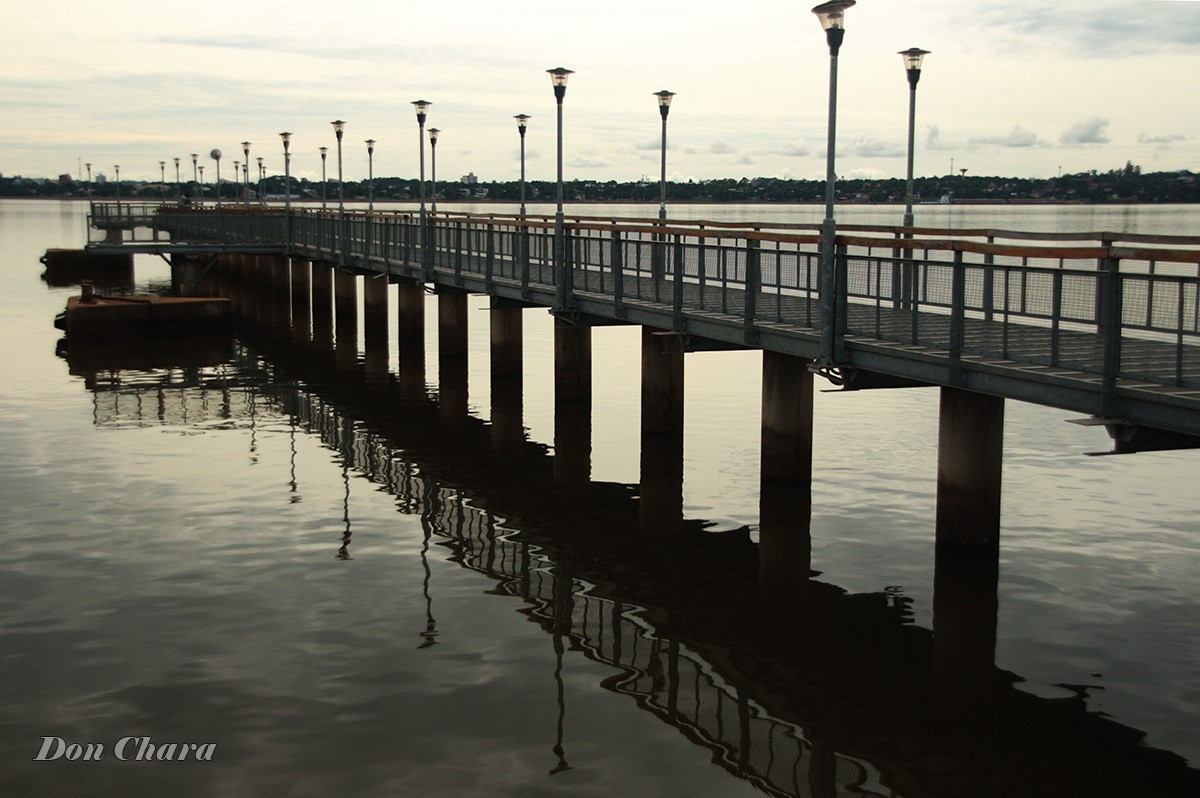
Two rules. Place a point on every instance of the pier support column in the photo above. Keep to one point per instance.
(186, 275)
(410, 338)
(375, 302)
(572, 404)
(345, 298)
(785, 475)
(280, 274)
(322, 305)
(452, 353)
(301, 284)
(661, 505)
(970, 457)
(507, 341)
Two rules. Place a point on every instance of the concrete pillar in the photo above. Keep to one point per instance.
(410, 313)
(345, 298)
(375, 357)
(301, 298)
(787, 421)
(572, 362)
(345, 356)
(507, 328)
(452, 323)
(970, 457)
(280, 274)
(411, 375)
(452, 389)
(572, 404)
(322, 305)
(507, 341)
(375, 302)
(662, 385)
(186, 274)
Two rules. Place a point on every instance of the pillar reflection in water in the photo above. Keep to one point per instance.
(965, 607)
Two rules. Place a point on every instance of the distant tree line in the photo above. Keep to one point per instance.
(1128, 184)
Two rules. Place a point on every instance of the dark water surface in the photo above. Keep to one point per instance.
(279, 548)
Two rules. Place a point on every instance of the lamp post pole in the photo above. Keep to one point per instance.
(370, 174)
(195, 179)
(664, 107)
(178, 185)
(117, 171)
(433, 136)
(216, 156)
(162, 181)
(832, 18)
(237, 179)
(246, 172)
(286, 138)
(89, 183)
(339, 127)
(262, 176)
(324, 154)
(522, 121)
(200, 185)
(912, 67)
(558, 79)
(422, 108)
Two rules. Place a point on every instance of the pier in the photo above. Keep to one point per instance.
(1102, 325)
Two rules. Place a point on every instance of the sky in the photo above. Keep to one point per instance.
(1024, 89)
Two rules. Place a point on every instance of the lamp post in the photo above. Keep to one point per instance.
(89, 183)
(216, 156)
(162, 181)
(422, 108)
(200, 185)
(246, 171)
(664, 106)
(286, 138)
(195, 179)
(262, 175)
(370, 174)
(237, 179)
(339, 127)
(117, 170)
(433, 134)
(558, 79)
(324, 154)
(178, 185)
(522, 121)
(832, 18)
(912, 67)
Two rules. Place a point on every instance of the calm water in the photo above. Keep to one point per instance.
(269, 546)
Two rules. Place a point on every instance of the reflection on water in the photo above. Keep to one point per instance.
(354, 586)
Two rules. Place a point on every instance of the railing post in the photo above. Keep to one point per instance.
(677, 294)
(490, 263)
(989, 291)
(1112, 306)
(958, 299)
(618, 268)
(523, 246)
(842, 289)
(458, 253)
(753, 281)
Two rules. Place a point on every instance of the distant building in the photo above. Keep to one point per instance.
(469, 178)
(65, 180)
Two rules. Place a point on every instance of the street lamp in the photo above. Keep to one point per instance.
(433, 134)
(324, 153)
(664, 106)
(201, 184)
(339, 127)
(162, 181)
(522, 121)
(262, 175)
(89, 183)
(216, 156)
(370, 174)
(237, 179)
(178, 185)
(558, 79)
(195, 180)
(117, 170)
(913, 57)
(286, 138)
(832, 18)
(422, 108)
(246, 172)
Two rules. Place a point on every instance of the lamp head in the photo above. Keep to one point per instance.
(913, 57)
(832, 16)
(422, 107)
(558, 79)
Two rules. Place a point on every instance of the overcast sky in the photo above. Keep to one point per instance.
(1014, 88)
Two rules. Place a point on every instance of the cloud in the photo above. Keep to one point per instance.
(869, 147)
(745, 159)
(933, 140)
(650, 144)
(1091, 28)
(590, 162)
(720, 147)
(1146, 139)
(1086, 131)
(1016, 137)
(795, 147)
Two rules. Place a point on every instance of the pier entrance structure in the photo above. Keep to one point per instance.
(1102, 324)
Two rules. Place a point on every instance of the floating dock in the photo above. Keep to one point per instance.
(94, 318)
